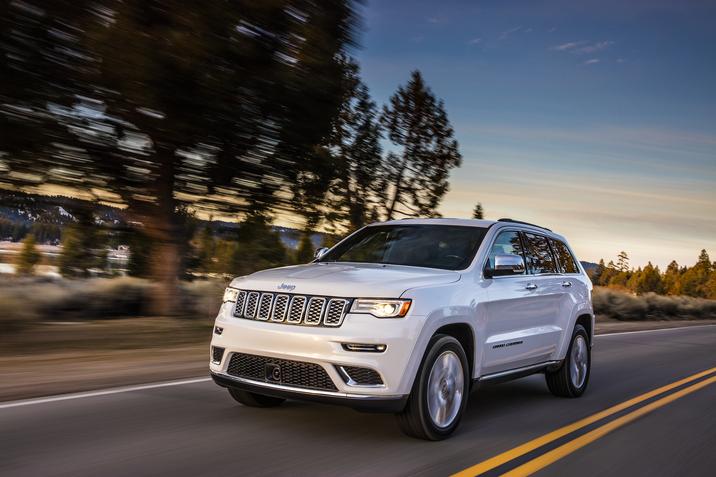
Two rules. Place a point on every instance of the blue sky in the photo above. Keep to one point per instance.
(596, 119)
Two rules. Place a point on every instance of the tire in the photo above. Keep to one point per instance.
(417, 419)
(255, 400)
(572, 377)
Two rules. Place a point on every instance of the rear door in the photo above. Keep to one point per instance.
(521, 310)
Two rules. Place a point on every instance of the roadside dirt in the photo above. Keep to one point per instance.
(74, 357)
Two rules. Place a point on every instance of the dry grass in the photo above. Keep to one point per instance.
(624, 306)
(24, 301)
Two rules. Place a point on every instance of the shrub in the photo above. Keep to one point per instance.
(650, 306)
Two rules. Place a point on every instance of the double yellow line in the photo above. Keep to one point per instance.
(554, 455)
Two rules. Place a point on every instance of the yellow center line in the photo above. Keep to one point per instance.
(554, 455)
(529, 446)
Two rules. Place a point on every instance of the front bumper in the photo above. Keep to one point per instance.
(361, 402)
(323, 346)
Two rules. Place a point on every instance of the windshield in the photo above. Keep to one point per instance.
(450, 247)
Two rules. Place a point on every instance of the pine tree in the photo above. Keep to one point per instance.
(416, 122)
(649, 280)
(623, 262)
(478, 212)
(672, 279)
(354, 144)
(29, 256)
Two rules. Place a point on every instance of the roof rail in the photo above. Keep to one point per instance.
(523, 223)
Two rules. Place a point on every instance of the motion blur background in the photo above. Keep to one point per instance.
(150, 150)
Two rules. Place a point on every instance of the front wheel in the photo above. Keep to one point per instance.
(439, 395)
(571, 379)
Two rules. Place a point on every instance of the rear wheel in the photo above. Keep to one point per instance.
(254, 400)
(571, 379)
(440, 391)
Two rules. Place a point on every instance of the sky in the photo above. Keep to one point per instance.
(595, 119)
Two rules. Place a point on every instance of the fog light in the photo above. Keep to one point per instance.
(363, 347)
(217, 354)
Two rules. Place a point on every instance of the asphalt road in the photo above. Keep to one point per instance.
(197, 429)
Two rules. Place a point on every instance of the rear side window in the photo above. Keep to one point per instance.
(539, 255)
(506, 243)
(566, 260)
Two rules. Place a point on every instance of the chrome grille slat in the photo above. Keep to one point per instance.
(264, 312)
(314, 312)
(291, 308)
(252, 302)
(335, 311)
(295, 310)
(280, 308)
(240, 302)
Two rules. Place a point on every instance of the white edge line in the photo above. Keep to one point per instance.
(126, 389)
(104, 392)
(599, 335)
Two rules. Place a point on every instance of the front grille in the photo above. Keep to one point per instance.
(292, 373)
(360, 376)
(291, 309)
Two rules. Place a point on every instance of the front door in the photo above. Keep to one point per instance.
(522, 310)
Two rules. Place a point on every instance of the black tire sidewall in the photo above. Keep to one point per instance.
(438, 345)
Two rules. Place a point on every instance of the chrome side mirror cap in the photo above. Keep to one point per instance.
(321, 251)
(508, 265)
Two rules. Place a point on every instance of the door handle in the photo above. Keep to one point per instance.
(566, 284)
(531, 286)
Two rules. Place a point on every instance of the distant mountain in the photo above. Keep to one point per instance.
(22, 211)
(589, 266)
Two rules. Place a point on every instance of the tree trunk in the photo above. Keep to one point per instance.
(396, 193)
(164, 230)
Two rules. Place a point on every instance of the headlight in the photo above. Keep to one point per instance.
(381, 308)
(230, 294)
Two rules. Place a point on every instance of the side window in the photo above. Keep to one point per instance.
(539, 255)
(506, 243)
(567, 263)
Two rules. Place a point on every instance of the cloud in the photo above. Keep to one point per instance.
(583, 47)
(507, 33)
(436, 20)
(475, 41)
(591, 61)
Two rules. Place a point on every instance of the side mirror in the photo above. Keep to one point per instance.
(506, 265)
(321, 251)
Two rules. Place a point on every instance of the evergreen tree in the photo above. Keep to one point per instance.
(672, 279)
(623, 262)
(649, 280)
(354, 144)
(417, 175)
(29, 256)
(83, 247)
(478, 212)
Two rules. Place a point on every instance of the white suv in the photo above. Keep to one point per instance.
(407, 316)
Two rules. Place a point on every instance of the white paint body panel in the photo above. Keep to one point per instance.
(512, 326)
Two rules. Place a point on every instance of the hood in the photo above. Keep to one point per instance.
(350, 280)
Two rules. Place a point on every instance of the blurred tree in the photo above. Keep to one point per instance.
(28, 257)
(159, 104)
(305, 251)
(83, 246)
(140, 252)
(478, 213)
(416, 122)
